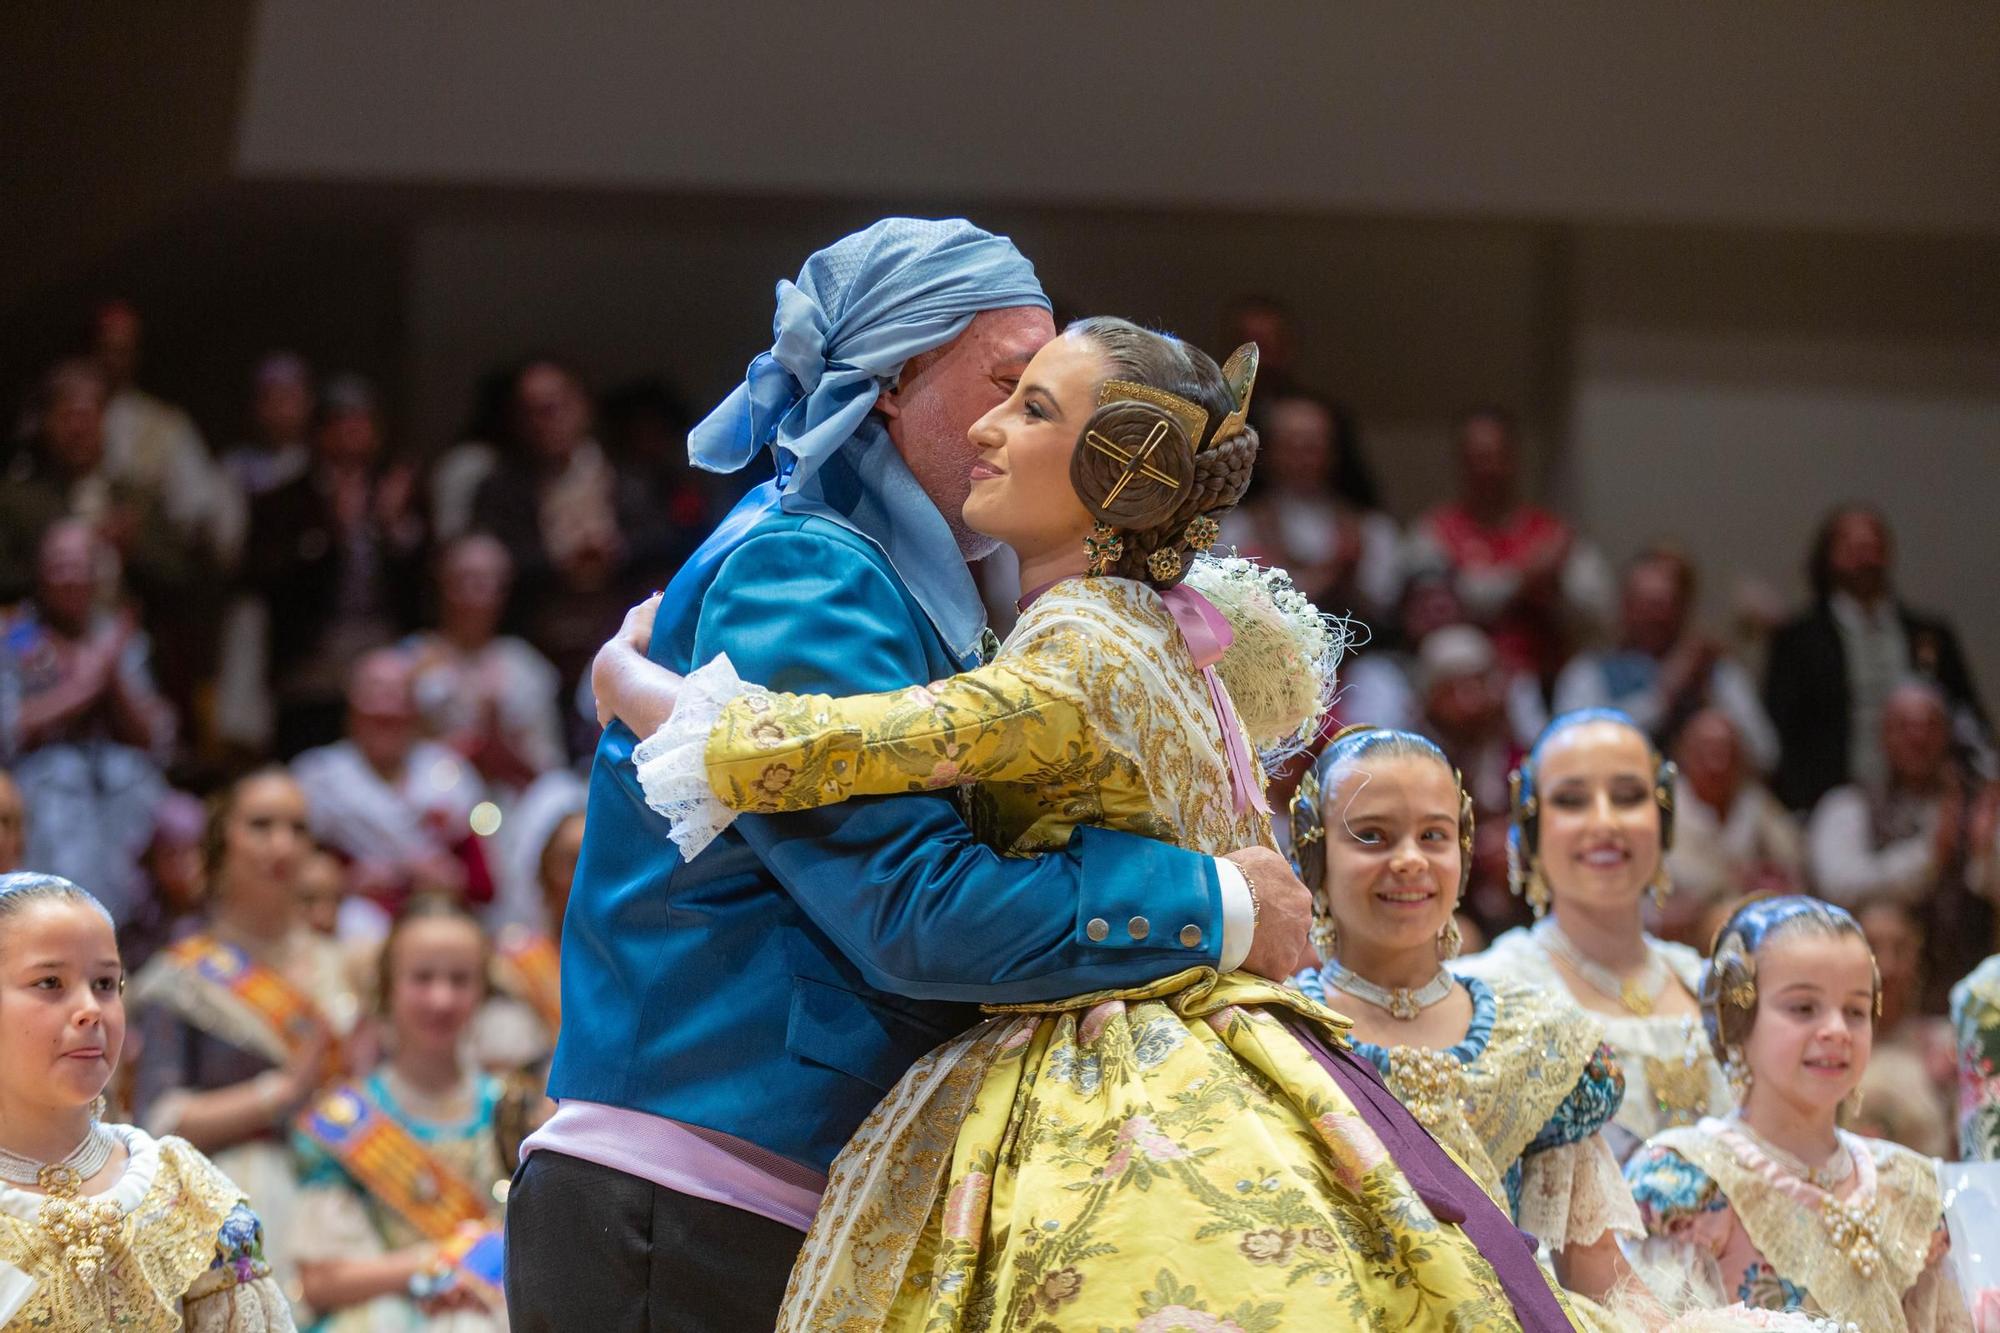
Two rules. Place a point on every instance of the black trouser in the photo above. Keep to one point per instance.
(598, 1251)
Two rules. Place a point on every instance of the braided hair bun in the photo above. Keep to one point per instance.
(1150, 469)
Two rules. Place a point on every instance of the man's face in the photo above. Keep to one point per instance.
(352, 437)
(931, 411)
(1916, 736)
(1299, 445)
(1858, 556)
(1486, 453)
(283, 407)
(74, 426)
(65, 575)
(1711, 756)
(117, 342)
(1652, 609)
(553, 411)
(382, 710)
(1464, 703)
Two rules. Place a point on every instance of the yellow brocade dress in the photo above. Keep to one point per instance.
(1166, 1157)
(181, 1251)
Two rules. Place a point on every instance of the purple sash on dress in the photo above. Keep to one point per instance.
(1450, 1194)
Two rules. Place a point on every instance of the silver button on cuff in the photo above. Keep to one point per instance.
(1097, 929)
(1140, 927)
(1191, 936)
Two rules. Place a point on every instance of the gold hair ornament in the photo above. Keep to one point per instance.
(1192, 416)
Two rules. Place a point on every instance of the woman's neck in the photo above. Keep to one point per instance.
(430, 1072)
(1395, 968)
(1804, 1132)
(43, 1134)
(1039, 569)
(1610, 936)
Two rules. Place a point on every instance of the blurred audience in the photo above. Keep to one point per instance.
(1732, 837)
(1831, 669)
(1907, 1093)
(398, 807)
(150, 445)
(83, 724)
(336, 554)
(577, 523)
(490, 696)
(13, 825)
(1665, 668)
(1270, 324)
(175, 880)
(61, 471)
(1346, 558)
(1926, 834)
(1523, 574)
(322, 891)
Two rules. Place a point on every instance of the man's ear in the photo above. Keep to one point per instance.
(888, 402)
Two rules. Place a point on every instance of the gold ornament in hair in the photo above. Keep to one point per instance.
(1202, 532)
(1103, 547)
(1164, 564)
(1240, 373)
(1192, 416)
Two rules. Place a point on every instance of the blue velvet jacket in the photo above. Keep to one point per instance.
(775, 987)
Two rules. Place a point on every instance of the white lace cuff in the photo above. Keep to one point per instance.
(1572, 1195)
(673, 761)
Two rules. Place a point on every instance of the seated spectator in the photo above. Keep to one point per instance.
(1344, 557)
(1522, 574)
(83, 725)
(13, 824)
(1906, 1095)
(336, 554)
(1927, 836)
(60, 471)
(1665, 668)
(396, 806)
(488, 695)
(1731, 836)
(1831, 669)
(150, 445)
(457, 474)
(1461, 687)
(572, 519)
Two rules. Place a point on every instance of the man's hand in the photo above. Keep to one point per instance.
(1282, 946)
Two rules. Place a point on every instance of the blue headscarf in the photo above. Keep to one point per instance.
(860, 309)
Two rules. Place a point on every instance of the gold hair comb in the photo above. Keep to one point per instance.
(1192, 416)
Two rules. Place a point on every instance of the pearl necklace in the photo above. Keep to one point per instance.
(1403, 1003)
(84, 1161)
(1637, 993)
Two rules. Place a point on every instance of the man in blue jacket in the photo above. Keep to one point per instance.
(729, 1022)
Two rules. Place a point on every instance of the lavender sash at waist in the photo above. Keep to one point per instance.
(1450, 1194)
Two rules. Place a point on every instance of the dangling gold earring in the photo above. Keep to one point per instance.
(98, 1107)
(1738, 1074)
(1325, 935)
(1450, 941)
(1104, 548)
(1850, 1106)
(1661, 886)
(1539, 894)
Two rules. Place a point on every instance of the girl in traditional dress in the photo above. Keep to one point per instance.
(1592, 821)
(1198, 1153)
(1975, 1019)
(1772, 1204)
(243, 1020)
(401, 1176)
(1512, 1078)
(102, 1226)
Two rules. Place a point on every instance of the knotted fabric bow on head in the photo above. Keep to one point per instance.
(859, 310)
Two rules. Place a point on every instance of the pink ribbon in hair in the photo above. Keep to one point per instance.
(1208, 636)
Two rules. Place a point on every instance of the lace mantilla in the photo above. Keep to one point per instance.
(673, 761)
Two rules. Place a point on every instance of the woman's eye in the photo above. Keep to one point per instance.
(1368, 836)
(1570, 800)
(106, 984)
(1434, 835)
(1034, 411)
(49, 983)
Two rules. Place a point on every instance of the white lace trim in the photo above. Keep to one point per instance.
(673, 761)
(1574, 1194)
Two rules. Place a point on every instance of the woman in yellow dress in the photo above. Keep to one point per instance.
(1514, 1079)
(1201, 1153)
(101, 1225)
(1592, 822)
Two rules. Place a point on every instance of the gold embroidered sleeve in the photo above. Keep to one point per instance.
(1005, 722)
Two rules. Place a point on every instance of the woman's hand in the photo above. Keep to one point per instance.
(626, 684)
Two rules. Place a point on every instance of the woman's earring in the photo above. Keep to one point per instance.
(98, 1107)
(1325, 935)
(1850, 1106)
(1104, 548)
(1738, 1074)
(1661, 887)
(1539, 894)
(1450, 941)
